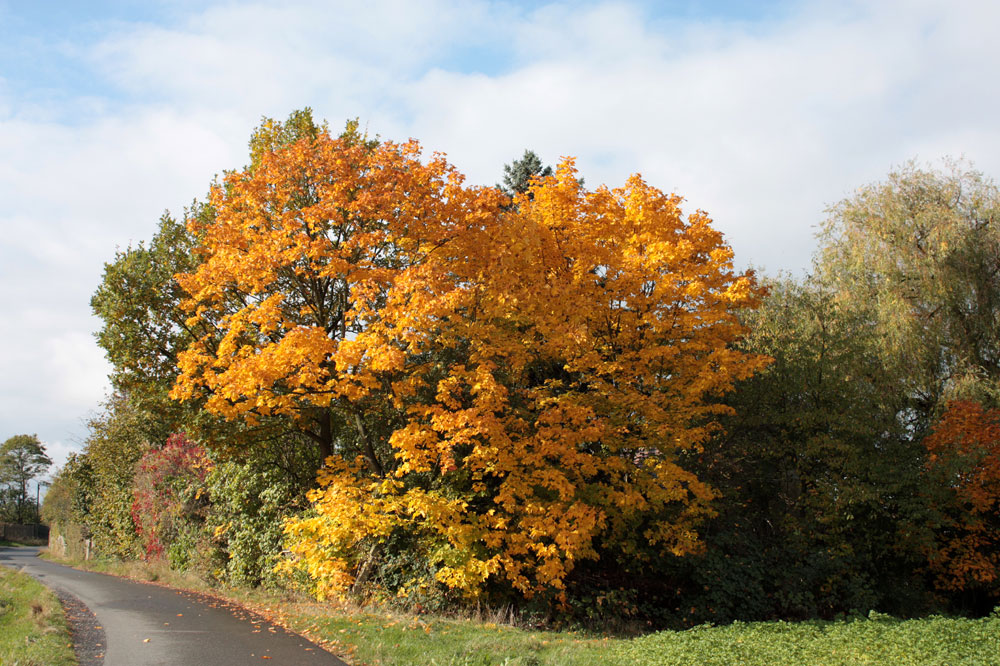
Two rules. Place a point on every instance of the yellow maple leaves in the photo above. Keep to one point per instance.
(539, 366)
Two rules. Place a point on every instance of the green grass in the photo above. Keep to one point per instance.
(376, 638)
(33, 629)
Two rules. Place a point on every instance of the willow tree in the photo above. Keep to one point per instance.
(923, 248)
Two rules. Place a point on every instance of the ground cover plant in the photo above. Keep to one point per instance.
(876, 639)
(33, 629)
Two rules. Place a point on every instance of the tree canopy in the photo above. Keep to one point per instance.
(518, 175)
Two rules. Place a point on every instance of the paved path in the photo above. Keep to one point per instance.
(118, 622)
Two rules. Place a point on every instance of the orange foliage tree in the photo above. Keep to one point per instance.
(965, 457)
(510, 386)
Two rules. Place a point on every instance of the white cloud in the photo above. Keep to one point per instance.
(762, 128)
(58, 451)
(78, 368)
(71, 196)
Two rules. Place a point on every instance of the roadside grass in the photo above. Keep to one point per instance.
(33, 629)
(382, 638)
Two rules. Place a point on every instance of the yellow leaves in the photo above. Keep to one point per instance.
(447, 390)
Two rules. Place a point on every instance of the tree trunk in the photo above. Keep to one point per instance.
(366, 570)
(373, 461)
(324, 440)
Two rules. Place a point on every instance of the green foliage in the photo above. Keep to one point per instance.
(372, 638)
(873, 639)
(827, 503)
(101, 478)
(137, 301)
(67, 540)
(22, 459)
(57, 506)
(920, 251)
(819, 478)
(877, 639)
(249, 501)
(518, 175)
(33, 629)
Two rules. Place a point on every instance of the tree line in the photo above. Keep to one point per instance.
(346, 369)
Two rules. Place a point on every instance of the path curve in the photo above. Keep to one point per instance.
(137, 624)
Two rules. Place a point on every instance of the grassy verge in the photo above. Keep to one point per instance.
(33, 629)
(386, 639)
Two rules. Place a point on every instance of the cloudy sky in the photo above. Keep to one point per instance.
(762, 114)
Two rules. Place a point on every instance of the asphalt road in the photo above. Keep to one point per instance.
(118, 622)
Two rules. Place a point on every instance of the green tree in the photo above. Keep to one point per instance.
(102, 476)
(58, 506)
(22, 460)
(819, 477)
(250, 500)
(518, 175)
(922, 250)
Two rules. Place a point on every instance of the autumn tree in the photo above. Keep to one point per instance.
(22, 459)
(509, 388)
(964, 459)
(143, 330)
(299, 253)
(144, 326)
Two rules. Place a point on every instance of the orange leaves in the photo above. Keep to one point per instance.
(299, 258)
(965, 456)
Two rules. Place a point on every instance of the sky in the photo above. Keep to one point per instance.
(763, 114)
